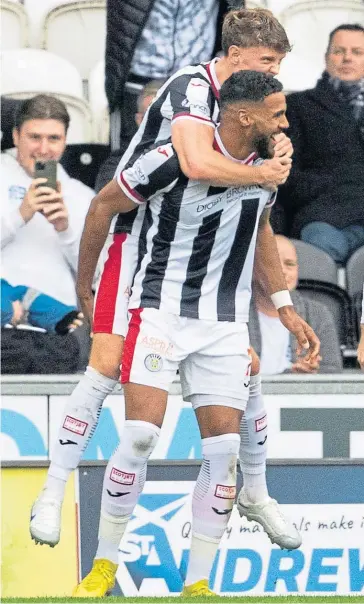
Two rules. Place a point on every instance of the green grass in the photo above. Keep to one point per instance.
(221, 599)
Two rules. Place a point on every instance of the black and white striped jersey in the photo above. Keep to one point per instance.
(197, 242)
(192, 93)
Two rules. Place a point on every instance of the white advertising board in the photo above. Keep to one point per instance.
(332, 424)
(24, 427)
(154, 551)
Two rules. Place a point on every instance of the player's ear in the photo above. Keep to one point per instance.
(234, 55)
(245, 118)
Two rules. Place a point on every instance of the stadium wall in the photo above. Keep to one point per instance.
(324, 499)
(326, 411)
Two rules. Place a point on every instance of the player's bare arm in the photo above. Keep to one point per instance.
(108, 202)
(193, 144)
(268, 264)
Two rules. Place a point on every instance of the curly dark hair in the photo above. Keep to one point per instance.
(248, 85)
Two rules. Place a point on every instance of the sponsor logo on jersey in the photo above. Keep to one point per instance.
(140, 173)
(163, 151)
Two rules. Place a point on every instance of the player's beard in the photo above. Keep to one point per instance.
(264, 147)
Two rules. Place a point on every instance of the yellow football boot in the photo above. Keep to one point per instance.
(201, 588)
(99, 582)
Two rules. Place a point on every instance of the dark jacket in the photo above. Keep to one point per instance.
(125, 22)
(318, 316)
(327, 178)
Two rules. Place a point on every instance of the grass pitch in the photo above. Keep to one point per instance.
(210, 600)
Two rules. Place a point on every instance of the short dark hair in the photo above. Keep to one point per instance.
(252, 27)
(42, 107)
(344, 27)
(251, 86)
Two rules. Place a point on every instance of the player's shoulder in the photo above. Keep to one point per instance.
(161, 151)
(192, 74)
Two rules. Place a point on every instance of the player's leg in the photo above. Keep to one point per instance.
(212, 380)
(253, 500)
(146, 377)
(83, 408)
(215, 490)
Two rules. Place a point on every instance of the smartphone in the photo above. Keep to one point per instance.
(48, 170)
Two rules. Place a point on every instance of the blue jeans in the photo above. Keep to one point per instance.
(44, 311)
(338, 243)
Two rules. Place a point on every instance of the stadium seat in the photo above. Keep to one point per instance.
(27, 72)
(98, 103)
(84, 161)
(338, 302)
(256, 4)
(14, 25)
(355, 272)
(315, 263)
(313, 20)
(84, 42)
(356, 312)
(296, 73)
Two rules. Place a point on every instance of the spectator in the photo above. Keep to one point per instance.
(41, 227)
(107, 170)
(270, 338)
(325, 190)
(163, 36)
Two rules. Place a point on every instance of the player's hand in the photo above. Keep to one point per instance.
(55, 210)
(86, 299)
(283, 147)
(274, 173)
(306, 338)
(302, 366)
(361, 350)
(34, 199)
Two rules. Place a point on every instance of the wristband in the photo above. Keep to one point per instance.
(281, 298)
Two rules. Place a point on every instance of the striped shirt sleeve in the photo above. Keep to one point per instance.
(271, 200)
(190, 98)
(149, 174)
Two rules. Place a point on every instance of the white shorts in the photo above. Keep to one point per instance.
(113, 290)
(212, 356)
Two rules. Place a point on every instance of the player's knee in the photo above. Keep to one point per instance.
(255, 368)
(218, 420)
(139, 439)
(106, 353)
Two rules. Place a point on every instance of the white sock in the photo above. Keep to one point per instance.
(111, 531)
(212, 502)
(202, 556)
(55, 487)
(253, 447)
(123, 482)
(79, 423)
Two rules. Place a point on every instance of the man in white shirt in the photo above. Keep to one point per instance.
(41, 227)
(273, 342)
